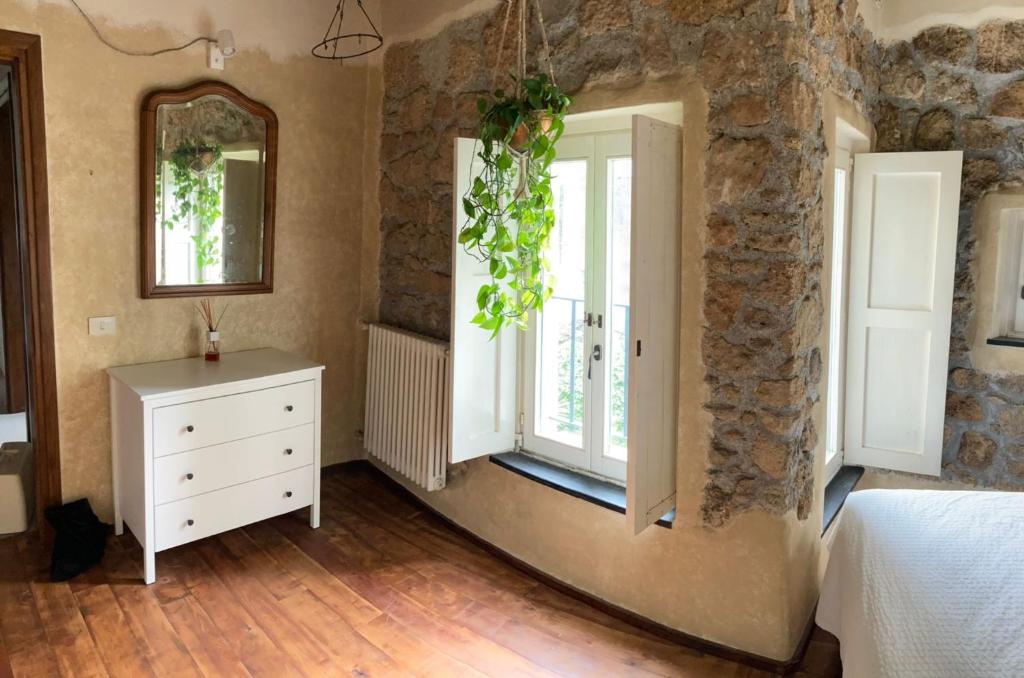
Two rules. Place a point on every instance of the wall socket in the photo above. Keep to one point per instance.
(102, 326)
(214, 57)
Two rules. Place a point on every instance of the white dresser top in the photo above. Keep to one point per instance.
(153, 380)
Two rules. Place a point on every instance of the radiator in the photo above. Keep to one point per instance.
(407, 401)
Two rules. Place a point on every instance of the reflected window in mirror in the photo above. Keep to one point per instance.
(209, 222)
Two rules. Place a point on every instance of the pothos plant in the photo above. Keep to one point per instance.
(509, 206)
(198, 172)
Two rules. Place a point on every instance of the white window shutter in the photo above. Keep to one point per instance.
(483, 370)
(902, 258)
(653, 322)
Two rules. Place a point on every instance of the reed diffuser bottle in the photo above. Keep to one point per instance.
(211, 345)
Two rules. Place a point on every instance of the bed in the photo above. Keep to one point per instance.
(927, 584)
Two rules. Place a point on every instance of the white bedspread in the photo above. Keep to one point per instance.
(928, 584)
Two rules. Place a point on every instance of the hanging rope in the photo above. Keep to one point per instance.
(523, 21)
(544, 40)
(501, 45)
(522, 41)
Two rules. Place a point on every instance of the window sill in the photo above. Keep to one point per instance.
(600, 492)
(1006, 341)
(836, 492)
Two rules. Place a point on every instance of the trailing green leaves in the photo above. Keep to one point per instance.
(198, 172)
(509, 206)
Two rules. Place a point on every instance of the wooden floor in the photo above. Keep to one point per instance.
(381, 589)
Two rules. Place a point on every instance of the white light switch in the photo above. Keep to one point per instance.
(102, 326)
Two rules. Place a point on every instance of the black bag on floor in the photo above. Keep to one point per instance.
(80, 539)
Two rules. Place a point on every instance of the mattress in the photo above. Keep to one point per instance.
(927, 584)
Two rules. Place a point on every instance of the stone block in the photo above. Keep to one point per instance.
(1001, 47)
(949, 44)
(736, 168)
(976, 450)
(749, 110)
(1009, 101)
(935, 131)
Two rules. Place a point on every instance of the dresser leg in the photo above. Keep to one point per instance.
(150, 566)
(118, 523)
(314, 514)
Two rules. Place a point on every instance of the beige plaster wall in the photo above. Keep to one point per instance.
(892, 20)
(92, 98)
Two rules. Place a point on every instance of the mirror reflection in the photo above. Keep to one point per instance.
(210, 183)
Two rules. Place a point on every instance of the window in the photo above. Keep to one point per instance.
(1010, 302)
(890, 275)
(902, 244)
(203, 211)
(576, 372)
(837, 315)
(593, 384)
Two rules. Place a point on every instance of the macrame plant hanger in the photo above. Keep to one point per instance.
(523, 25)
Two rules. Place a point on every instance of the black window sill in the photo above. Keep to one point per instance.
(1006, 341)
(836, 492)
(600, 492)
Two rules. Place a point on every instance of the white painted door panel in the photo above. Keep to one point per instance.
(902, 259)
(483, 370)
(654, 322)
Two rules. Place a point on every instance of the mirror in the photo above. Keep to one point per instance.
(209, 172)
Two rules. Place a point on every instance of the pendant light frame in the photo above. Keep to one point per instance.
(333, 37)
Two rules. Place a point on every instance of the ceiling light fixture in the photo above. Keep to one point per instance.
(342, 43)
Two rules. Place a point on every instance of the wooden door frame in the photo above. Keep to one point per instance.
(23, 52)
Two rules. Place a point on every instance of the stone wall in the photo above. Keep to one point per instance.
(763, 64)
(763, 305)
(954, 88)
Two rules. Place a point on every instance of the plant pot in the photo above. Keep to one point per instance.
(521, 140)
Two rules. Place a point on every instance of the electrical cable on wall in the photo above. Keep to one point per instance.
(133, 52)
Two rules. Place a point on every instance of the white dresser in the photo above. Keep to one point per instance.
(204, 447)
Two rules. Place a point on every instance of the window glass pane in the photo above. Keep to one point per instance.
(561, 359)
(836, 328)
(620, 186)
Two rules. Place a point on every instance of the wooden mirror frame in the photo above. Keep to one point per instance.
(150, 290)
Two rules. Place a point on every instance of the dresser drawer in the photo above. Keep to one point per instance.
(233, 507)
(177, 428)
(216, 467)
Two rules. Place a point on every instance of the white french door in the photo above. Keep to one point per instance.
(576, 355)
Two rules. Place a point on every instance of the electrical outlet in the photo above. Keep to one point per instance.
(214, 57)
(102, 326)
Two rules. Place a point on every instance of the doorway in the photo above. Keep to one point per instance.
(29, 449)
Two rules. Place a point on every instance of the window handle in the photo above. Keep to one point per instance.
(595, 355)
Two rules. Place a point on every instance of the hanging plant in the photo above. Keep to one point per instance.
(198, 172)
(509, 206)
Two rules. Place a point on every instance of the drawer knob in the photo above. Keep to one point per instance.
(190, 522)
(190, 428)
(288, 408)
(288, 493)
(189, 476)
(288, 451)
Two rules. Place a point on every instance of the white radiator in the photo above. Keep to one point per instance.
(407, 400)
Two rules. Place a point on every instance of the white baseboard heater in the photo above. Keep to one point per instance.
(407, 401)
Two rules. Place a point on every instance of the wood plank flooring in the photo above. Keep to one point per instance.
(381, 589)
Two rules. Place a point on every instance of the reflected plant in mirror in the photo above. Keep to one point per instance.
(208, 226)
